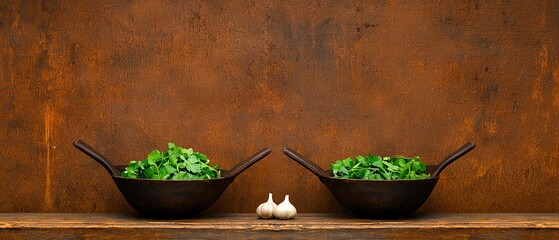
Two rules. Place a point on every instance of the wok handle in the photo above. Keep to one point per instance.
(318, 171)
(453, 157)
(235, 171)
(92, 153)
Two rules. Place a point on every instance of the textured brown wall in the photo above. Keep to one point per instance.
(330, 79)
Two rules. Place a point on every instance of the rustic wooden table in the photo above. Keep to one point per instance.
(306, 226)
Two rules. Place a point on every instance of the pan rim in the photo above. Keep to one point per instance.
(393, 180)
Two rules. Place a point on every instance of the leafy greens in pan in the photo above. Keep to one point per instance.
(379, 168)
(176, 163)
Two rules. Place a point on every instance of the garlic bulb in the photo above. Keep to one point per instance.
(285, 210)
(266, 210)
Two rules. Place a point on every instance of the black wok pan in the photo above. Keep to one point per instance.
(381, 198)
(170, 198)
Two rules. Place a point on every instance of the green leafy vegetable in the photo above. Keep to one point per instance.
(377, 168)
(176, 163)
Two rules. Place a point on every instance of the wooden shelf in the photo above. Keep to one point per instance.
(309, 226)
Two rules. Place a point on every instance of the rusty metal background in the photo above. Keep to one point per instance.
(330, 79)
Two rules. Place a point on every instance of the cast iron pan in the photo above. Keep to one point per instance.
(170, 198)
(381, 198)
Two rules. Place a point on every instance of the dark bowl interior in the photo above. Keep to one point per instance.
(171, 198)
(381, 198)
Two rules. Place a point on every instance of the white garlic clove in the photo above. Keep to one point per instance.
(271, 201)
(285, 210)
(266, 210)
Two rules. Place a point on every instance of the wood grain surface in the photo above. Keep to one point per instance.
(330, 79)
(306, 226)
